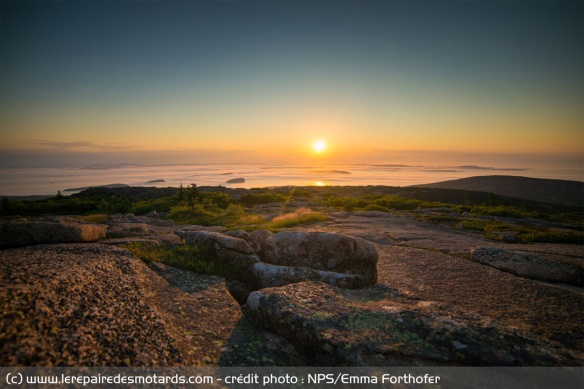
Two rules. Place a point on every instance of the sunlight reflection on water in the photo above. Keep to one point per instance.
(49, 180)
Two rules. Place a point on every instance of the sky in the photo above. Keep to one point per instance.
(220, 81)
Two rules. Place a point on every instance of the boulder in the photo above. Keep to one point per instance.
(257, 237)
(239, 290)
(133, 240)
(57, 230)
(221, 242)
(125, 230)
(233, 253)
(149, 239)
(321, 251)
(162, 223)
(241, 234)
(127, 218)
(152, 217)
(78, 305)
(97, 305)
(274, 275)
(536, 266)
(379, 327)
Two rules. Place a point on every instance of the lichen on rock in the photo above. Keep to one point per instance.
(375, 327)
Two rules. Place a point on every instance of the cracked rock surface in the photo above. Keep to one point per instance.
(88, 304)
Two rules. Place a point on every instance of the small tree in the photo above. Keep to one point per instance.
(492, 199)
(193, 196)
(181, 193)
(4, 206)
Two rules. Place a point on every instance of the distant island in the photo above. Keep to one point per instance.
(334, 171)
(97, 186)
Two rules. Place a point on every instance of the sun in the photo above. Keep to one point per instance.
(319, 146)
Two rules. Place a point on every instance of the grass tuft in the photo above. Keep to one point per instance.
(95, 218)
(296, 218)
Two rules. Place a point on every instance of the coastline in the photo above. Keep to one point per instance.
(48, 181)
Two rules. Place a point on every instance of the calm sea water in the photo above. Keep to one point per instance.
(43, 181)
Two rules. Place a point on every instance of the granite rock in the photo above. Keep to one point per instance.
(537, 266)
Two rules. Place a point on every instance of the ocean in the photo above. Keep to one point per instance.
(47, 181)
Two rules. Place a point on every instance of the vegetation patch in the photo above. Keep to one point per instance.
(218, 206)
(251, 199)
(552, 236)
(525, 234)
(200, 258)
(376, 207)
(438, 219)
(93, 218)
(296, 218)
(322, 315)
(379, 202)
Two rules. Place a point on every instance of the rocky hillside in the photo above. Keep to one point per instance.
(362, 288)
(543, 190)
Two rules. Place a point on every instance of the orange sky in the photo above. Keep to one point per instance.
(373, 80)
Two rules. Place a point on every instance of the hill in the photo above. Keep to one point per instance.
(543, 190)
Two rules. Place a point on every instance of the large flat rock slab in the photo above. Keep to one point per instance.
(547, 310)
(433, 262)
(55, 230)
(197, 309)
(379, 327)
(536, 266)
(78, 305)
(405, 231)
(98, 305)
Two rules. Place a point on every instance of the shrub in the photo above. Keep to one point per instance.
(300, 193)
(93, 218)
(217, 199)
(251, 199)
(161, 204)
(398, 202)
(525, 234)
(337, 202)
(552, 237)
(196, 214)
(375, 207)
(500, 210)
(236, 217)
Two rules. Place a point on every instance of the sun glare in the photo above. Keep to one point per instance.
(319, 146)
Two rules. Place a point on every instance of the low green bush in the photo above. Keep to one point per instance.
(251, 199)
(552, 237)
(375, 207)
(161, 204)
(200, 258)
(501, 210)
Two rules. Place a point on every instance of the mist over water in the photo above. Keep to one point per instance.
(47, 181)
